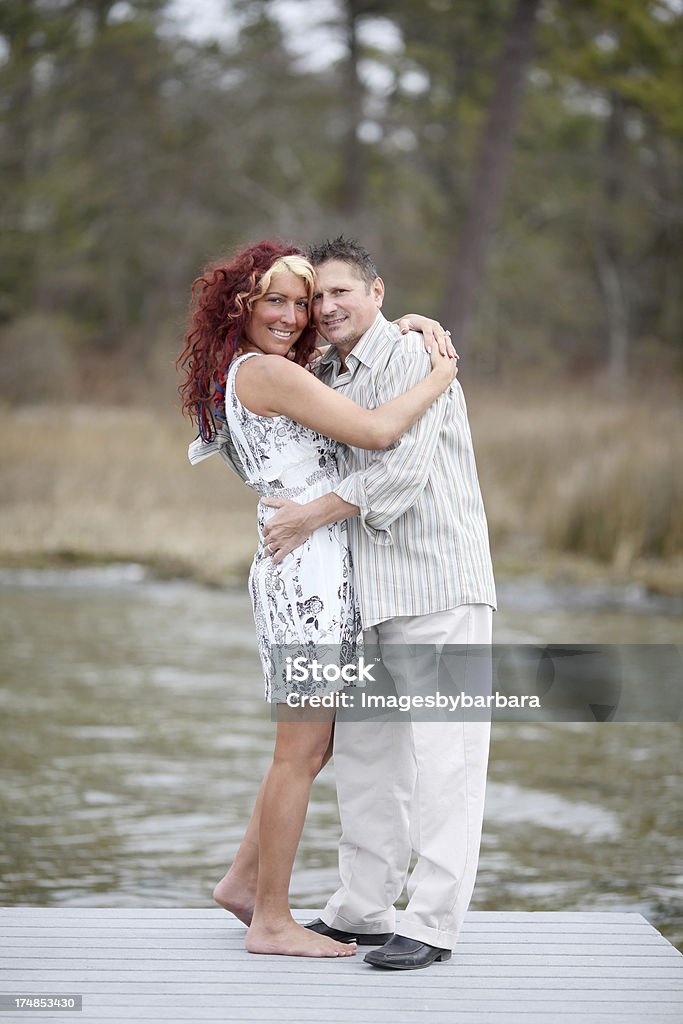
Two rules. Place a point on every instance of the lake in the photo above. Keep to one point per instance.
(135, 737)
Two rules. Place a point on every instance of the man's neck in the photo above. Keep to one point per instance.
(343, 348)
(343, 351)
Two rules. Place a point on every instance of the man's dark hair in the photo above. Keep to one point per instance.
(346, 250)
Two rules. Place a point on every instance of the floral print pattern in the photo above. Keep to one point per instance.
(306, 605)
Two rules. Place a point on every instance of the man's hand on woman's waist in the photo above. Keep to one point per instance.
(293, 522)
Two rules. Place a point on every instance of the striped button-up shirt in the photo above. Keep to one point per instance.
(421, 543)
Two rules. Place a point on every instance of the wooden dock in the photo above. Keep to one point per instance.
(190, 965)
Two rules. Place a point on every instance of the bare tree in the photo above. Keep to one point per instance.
(353, 183)
(465, 275)
(608, 247)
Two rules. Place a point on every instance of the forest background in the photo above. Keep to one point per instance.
(515, 167)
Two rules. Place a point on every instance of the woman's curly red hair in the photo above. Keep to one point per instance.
(220, 306)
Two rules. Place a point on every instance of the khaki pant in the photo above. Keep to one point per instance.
(412, 785)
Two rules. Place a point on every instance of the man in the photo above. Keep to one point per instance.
(424, 577)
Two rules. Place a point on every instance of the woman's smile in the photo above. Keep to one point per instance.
(279, 316)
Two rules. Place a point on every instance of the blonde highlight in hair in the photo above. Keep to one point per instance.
(293, 264)
(299, 265)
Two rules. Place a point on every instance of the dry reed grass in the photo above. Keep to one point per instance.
(86, 483)
(566, 477)
(580, 474)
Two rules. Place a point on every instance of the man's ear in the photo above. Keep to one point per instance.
(378, 291)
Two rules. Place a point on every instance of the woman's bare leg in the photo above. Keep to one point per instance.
(236, 891)
(300, 747)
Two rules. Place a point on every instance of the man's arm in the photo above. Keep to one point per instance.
(228, 453)
(384, 490)
(393, 482)
(223, 445)
(296, 522)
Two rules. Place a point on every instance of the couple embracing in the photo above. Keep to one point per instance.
(370, 522)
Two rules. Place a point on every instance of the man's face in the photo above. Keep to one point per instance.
(343, 306)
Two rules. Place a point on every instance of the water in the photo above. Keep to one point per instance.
(135, 738)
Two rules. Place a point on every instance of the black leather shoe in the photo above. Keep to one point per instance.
(369, 939)
(405, 954)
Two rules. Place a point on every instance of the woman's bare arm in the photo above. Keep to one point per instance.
(274, 386)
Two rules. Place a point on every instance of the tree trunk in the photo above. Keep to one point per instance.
(609, 248)
(669, 244)
(17, 158)
(353, 183)
(465, 275)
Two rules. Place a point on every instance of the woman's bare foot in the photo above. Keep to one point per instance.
(238, 895)
(292, 939)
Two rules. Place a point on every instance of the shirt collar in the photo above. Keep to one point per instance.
(365, 348)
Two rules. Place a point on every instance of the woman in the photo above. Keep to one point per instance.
(284, 424)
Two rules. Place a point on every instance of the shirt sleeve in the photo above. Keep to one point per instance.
(221, 444)
(396, 477)
(228, 453)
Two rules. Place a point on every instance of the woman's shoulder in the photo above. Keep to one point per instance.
(260, 384)
(262, 360)
(269, 367)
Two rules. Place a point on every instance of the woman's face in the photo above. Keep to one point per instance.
(279, 316)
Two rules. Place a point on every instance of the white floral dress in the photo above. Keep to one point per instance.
(306, 605)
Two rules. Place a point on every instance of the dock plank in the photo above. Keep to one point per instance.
(190, 965)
